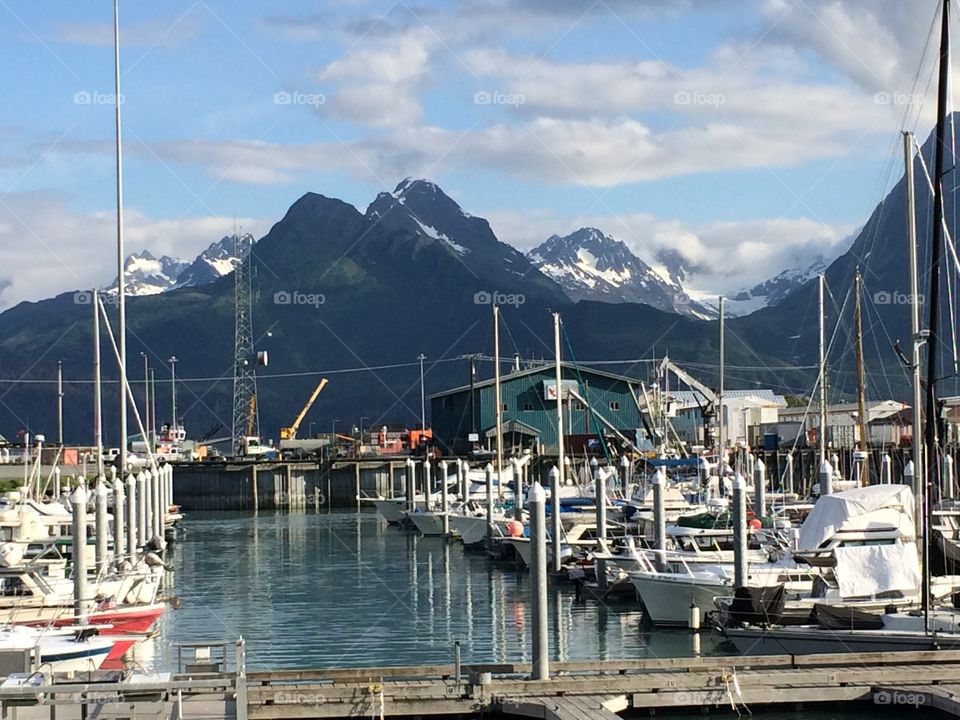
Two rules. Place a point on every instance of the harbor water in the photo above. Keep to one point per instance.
(345, 589)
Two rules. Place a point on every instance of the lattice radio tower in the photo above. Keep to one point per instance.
(244, 359)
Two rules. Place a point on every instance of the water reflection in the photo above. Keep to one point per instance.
(344, 589)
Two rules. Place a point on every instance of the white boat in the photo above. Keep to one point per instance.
(57, 650)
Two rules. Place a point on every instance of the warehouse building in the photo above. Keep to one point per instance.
(595, 404)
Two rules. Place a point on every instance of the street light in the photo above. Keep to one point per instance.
(423, 412)
(362, 418)
(173, 391)
(333, 428)
(310, 429)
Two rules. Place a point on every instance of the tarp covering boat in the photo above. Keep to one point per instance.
(860, 509)
(871, 570)
(757, 606)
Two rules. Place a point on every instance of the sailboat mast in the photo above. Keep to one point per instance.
(861, 382)
(721, 428)
(931, 434)
(823, 378)
(121, 280)
(497, 399)
(97, 409)
(914, 322)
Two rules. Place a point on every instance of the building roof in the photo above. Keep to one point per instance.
(513, 426)
(759, 397)
(876, 409)
(533, 371)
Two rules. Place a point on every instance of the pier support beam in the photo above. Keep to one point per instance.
(536, 501)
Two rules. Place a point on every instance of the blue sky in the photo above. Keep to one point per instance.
(750, 136)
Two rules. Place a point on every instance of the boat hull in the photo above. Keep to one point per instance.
(809, 640)
(667, 599)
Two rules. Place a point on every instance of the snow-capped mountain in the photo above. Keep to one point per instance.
(772, 291)
(213, 263)
(146, 275)
(591, 265)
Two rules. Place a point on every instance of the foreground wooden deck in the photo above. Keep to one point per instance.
(575, 691)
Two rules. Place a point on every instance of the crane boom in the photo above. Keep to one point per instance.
(708, 410)
(289, 433)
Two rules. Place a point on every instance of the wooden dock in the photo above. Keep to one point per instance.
(575, 690)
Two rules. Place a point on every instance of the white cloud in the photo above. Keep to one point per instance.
(377, 84)
(47, 248)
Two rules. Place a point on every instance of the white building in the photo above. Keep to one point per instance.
(747, 415)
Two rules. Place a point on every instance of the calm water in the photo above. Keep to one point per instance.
(345, 589)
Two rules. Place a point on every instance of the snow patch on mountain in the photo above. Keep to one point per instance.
(146, 275)
(591, 265)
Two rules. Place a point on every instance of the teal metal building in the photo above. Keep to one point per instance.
(595, 403)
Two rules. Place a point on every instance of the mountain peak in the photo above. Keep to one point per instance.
(592, 265)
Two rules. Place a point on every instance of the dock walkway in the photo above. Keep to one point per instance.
(575, 690)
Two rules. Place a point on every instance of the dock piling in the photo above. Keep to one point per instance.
(517, 489)
(444, 507)
(826, 478)
(488, 471)
(886, 469)
(131, 518)
(100, 494)
(536, 501)
(760, 487)
(739, 532)
(659, 518)
(119, 510)
(554, 476)
(411, 483)
(79, 502)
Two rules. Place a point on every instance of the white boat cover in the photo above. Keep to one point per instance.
(859, 509)
(868, 570)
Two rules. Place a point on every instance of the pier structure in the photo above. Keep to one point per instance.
(573, 691)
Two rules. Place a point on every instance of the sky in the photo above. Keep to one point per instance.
(751, 136)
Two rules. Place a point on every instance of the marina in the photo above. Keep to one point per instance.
(654, 531)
